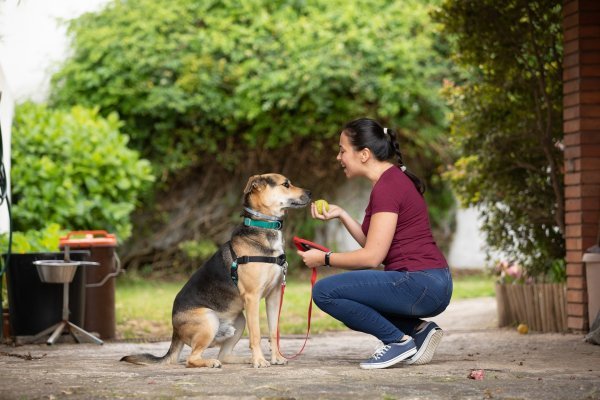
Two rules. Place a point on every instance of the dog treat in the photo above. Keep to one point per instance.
(322, 205)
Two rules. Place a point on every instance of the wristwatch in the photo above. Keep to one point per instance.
(327, 259)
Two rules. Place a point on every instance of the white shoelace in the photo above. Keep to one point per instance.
(380, 351)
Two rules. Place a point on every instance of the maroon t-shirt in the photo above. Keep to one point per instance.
(413, 247)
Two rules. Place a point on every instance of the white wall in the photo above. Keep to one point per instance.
(6, 115)
(467, 248)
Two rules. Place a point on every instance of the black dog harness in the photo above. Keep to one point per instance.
(280, 260)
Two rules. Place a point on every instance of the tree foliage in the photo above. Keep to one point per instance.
(224, 89)
(73, 168)
(507, 123)
(191, 78)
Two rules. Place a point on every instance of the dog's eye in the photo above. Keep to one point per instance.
(286, 184)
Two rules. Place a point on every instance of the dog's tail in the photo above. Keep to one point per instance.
(171, 357)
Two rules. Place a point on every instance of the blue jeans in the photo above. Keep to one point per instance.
(385, 304)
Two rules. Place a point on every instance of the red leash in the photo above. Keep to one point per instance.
(303, 245)
(313, 279)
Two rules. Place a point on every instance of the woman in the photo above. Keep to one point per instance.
(395, 232)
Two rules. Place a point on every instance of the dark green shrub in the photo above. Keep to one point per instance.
(507, 125)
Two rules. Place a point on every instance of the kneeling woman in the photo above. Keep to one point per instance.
(416, 281)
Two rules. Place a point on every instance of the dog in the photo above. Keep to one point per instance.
(208, 310)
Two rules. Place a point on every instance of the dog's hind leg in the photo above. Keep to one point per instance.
(273, 301)
(225, 355)
(203, 330)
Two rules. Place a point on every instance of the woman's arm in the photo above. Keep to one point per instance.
(350, 224)
(377, 245)
(353, 228)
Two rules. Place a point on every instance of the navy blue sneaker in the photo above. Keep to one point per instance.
(427, 339)
(390, 354)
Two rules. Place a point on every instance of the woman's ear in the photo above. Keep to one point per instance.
(365, 154)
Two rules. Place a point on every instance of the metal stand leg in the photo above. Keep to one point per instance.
(65, 324)
(84, 333)
(56, 333)
(45, 332)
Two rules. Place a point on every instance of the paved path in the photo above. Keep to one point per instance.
(534, 366)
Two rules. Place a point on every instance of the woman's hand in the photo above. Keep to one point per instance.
(334, 212)
(312, 258)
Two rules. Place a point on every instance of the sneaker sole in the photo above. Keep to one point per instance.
(391, 362)
(430, 344)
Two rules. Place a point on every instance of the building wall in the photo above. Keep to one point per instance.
(6, 115)
(581, 88)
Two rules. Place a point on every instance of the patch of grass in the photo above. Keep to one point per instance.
(468, 286)
(143, 307)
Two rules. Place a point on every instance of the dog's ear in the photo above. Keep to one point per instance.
(255, 182)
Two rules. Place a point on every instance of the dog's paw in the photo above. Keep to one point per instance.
(260, 363)
(279, 360)
(209, 363)
(213, 363)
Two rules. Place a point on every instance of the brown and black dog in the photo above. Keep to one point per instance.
(208, 310)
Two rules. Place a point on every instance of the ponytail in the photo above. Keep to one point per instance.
(396, 147)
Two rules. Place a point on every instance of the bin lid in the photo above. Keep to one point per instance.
(96, 238)
(591, 258)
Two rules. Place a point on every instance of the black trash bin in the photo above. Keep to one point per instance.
(34, 305)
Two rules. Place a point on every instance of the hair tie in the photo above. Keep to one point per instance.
(385, 131)
(402, 168)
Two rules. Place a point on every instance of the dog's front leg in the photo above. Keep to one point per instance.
(273, 301)
(252, 305)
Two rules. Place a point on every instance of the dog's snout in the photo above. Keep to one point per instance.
(308, 193)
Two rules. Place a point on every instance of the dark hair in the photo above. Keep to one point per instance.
(365, 133)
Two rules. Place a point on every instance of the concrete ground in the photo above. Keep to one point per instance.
(533, 366)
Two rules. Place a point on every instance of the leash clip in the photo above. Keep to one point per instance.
(234, 272)
(284, 269)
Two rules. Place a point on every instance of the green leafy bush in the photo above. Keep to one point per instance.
(73, 168)
(35, 240)
(507, 125)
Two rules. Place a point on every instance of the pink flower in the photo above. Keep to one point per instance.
(514, 271)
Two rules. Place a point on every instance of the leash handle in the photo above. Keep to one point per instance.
(313, 279)
(305, 245)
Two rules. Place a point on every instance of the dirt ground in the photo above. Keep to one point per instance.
(533, 366)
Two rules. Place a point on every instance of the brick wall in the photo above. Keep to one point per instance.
(581, 80)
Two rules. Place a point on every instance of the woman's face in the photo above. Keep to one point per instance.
(349, 158)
